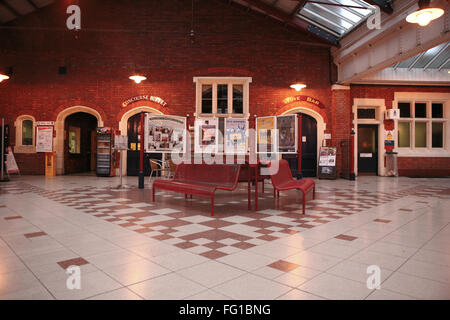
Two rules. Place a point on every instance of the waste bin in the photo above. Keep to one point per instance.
(50, 164)
(391, 164)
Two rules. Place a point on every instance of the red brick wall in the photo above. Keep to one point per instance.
(154, 35)
(407, 166)
(30, 163)
(341, 123)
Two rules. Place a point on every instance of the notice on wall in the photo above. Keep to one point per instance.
(236, 136)
(44, 139)
(287, 133)
(206, 135)
(265, 134)
(165, 133)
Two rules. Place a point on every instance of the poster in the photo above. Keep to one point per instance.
(236, 136)
(265, 134)
(206, 135)
(287, 133)
(44, 139)
(164, 134)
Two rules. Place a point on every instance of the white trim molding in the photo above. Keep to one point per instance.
(380, 108)
(19, 148)
(230, 81)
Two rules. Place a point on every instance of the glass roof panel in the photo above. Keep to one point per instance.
(434, 58)
(335, 16)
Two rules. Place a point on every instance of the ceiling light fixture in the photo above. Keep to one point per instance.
(425, 14)
(3, 77)
(137, 78)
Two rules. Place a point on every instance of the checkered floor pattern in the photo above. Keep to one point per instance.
(187, 224)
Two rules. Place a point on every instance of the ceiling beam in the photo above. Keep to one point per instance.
(384, 5)
(31, 2)
(10, 8)
(293, 21)
(298, 7)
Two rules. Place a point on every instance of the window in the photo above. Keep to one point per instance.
(366, 113)
(222, 96)
(74, 140)
(27, 132)
(421, 125)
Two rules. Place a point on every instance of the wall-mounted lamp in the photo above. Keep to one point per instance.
(137, 78)
(3, 77)
(298, 86)
(426, 13)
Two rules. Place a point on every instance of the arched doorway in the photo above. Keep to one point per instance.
(134, 147)
(312, 138)
(309, 149)
(61, 131)
(129, 124)
(80, 143)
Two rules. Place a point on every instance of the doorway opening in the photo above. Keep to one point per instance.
(134, 148)
(80, 141)
(367, 149)
(309, 149)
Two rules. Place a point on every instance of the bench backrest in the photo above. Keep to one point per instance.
(282, 175)
(225, 175)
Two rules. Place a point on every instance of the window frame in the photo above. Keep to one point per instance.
(429, 99)
(230, 81)
(19, 147)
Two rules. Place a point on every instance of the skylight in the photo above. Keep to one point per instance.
(337, 17)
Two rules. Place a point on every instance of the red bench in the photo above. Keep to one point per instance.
(200, 180)
(283, 180)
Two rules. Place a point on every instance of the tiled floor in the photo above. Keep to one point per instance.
(130, 248)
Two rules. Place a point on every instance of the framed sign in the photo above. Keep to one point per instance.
(164, 133)
(44, 139)
(327, 163)
(206, 135)
(287, 133)
(266, 134)
(120, 142)
(236, 136)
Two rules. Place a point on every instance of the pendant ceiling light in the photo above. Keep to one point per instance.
(426, 13)
(3, 77)
(137, 78)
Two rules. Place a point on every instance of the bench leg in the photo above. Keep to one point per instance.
(212, 206)
(153, 194)
(249, 194)
(262, 188)
(274, 192)
(278, 194)
(191, 196)
(314, 192)
(304, 201)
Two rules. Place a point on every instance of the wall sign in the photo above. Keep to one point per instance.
(144, 97)
(309, 99)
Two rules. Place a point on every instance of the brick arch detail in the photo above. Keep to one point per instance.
(284, 108)
(141, 104)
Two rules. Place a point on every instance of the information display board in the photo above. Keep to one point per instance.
(327, 163)
(164, 133)
(206, 135)
(287, 133)
(236, 136)
(44, 138)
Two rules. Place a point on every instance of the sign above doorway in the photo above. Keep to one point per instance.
(309, 99)
(144, 97)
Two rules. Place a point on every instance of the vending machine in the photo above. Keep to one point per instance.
(105, 152)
